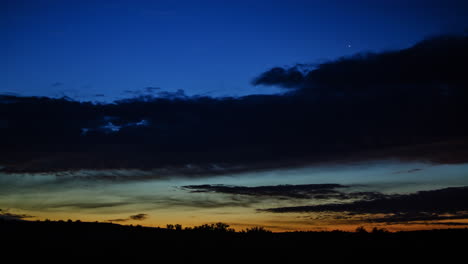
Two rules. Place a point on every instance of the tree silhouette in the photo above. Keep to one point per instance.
(377, 230)
(361, 230)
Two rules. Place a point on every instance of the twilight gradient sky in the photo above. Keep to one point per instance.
(375, 140)
(98, 50)
(116, 195)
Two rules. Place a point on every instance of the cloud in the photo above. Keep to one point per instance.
(445, 223)
(179, 94)
(435, 61)
(304, 191)
(418, 216)
(287, 78)
(139, 217)
(165, 202)
(407, 104)
(151, 89)
(408, 171)
(293, 191)
(118, 220)
(146, 90)
(405, 206)
(5, 215)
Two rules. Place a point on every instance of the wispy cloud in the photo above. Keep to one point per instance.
(408, 171)
(448, 200)
(406, 217)
(6, 215)
(304, 191)
(137, 217)
(118, 220)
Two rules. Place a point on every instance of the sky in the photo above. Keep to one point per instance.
(106, 50)
(291, 115)
(166, 201)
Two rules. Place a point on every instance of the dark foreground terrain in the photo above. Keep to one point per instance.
(85, 238)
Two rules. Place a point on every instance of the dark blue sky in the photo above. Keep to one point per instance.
(85, 48)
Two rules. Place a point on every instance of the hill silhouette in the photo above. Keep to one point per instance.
(100, 238)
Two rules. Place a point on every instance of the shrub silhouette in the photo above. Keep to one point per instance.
(216, 227)
(361, 230)
(257, 230)
(216, 236)
(377, 230)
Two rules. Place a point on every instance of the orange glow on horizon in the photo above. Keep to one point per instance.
(283, 227)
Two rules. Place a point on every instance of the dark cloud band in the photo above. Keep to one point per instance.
(448, 200)
(304, 191)
(408, 104)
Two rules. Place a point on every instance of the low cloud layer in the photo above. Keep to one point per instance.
(6, 215)
(137, 217)
(407, 104)
(293, 191)
(335, 203)
(443, 201)
(408, 217)
(436, 207)
(304, 191)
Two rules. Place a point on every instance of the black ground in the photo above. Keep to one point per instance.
(85, 238)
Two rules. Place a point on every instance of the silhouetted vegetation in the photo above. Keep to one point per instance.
(94, 236)
(256, 230)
